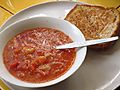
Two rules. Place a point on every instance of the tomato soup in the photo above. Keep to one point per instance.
(31, 55)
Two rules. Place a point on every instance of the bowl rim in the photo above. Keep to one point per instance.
(57, 80)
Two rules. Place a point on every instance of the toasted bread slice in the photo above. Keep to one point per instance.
(96, 22)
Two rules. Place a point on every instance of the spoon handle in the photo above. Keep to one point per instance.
(86, 43)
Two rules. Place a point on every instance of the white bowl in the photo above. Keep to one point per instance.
(19, 26)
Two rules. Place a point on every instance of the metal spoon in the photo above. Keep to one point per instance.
(86, 43)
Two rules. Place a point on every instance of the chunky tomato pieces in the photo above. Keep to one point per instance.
(30, 56)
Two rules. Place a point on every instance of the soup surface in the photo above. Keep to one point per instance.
(30, 56)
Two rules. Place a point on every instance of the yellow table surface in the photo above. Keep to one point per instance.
(17, 5)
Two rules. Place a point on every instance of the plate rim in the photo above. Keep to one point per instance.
(47, 2)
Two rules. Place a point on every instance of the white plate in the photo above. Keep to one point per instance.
(99, 69)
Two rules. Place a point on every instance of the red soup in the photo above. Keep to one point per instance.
(30, 56)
